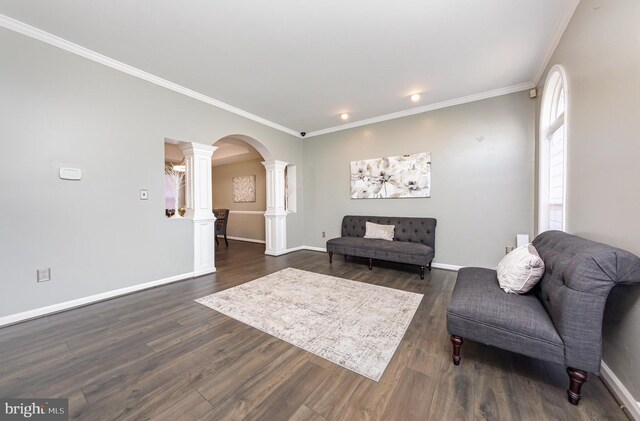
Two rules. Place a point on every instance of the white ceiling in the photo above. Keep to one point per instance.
(299, 64)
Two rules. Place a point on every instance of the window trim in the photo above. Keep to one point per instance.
(554, 85)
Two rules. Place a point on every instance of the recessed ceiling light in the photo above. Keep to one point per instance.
(344, 116)
(415, 97)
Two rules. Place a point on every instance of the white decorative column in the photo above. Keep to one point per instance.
(198, 203)
(275, 216)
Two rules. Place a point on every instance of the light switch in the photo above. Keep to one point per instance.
(144, 194)
(522, 239)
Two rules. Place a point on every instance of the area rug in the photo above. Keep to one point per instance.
(353, 324)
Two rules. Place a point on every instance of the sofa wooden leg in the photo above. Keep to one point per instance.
(430, 266)
(576, 379)
(345, 257)
(421, 272)
(456, 341)
(330, 257)
(370, 264)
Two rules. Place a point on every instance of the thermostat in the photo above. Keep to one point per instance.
(70, 173)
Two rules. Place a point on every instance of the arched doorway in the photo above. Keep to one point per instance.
(273, 212)
(238, 184)
(262, 150)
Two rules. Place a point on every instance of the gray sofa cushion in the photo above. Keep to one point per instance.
(479, 310)
(395, 251)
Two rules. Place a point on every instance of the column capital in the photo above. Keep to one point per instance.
(198, 180)
(274, 164)
(193, 148)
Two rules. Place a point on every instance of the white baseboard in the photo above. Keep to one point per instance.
(278, 253)
(321, 249)
(67, 305)
(620, 391)
(247, 240)
(55, 308)
(444, 266)
(291, 250)
(203, 272)
(285, 251)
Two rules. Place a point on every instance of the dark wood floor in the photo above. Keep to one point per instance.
(159, 355)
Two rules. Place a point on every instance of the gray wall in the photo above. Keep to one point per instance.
(249, 226)
(482, 191)
(59, 109)
(600, 51)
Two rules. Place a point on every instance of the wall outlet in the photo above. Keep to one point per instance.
(44, 275)
(323, 234)
(509, 249)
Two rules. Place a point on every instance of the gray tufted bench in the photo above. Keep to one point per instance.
(413, 242)
(560, 320)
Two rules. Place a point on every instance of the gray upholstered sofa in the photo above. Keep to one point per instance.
(413, 242)
(560, 320)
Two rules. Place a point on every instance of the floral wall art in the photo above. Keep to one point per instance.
(244, 189)
(392, 177)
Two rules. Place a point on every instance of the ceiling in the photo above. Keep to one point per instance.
(297, 65)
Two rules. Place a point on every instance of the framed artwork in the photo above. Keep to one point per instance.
(244, 189)
(392, 177)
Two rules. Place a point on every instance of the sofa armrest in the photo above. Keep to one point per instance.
(579, 275)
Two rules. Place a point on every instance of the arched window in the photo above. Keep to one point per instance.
(553, 152)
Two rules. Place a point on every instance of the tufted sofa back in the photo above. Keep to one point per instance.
(413, 230)
(578, 276)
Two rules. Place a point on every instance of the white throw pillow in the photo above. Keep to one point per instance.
(520, 270)
(381, 232)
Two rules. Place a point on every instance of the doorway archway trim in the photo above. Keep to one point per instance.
(275, 226)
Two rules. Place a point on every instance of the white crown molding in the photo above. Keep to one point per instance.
(33, 32)
(80, 302)
(619, 390)
(430, 107)
(555, 40)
